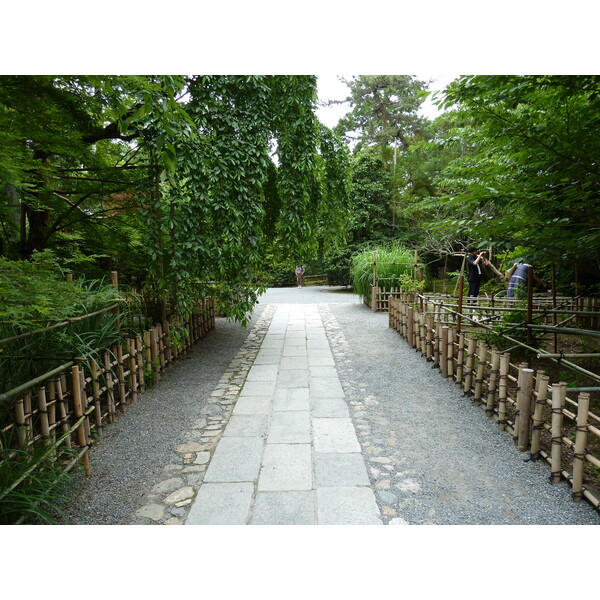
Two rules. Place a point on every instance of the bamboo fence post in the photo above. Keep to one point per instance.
(20, 421)
(493, 382)
(133, 380)
(503, 390)
(410, 325)
(96, 397)
(84, 404)
(155, 361)
(429, 336)
(121, 379)
(436, 343)
(110, 392)
(460, 358)
(481, 362)
(52, 409)
(461, 286)
(140, 363)
(27, 415)
(148, 349)
(62, 408)
(583, 405)
(451, 337)
(444, 351)
(43, 412)
(524, 404)
(471, 344)
(559, 391)
(538, 413)
(78, 413)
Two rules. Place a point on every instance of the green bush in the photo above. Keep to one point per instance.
(395, 268)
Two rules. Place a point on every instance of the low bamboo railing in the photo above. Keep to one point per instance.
(541, 418)
(69, 406)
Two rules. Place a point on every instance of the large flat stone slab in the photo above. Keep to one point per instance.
(347, 506)
(262, 373)
(246, 426)
(221, 504)
(252, 405)
(292, 378)
(294, 362)
(258, 388)
(286, 467)
(285, 508)
(291, 399)
(235, 459)
(340, 470)
(325, 387)
(329, 408)
(289, 427)
(334, 435)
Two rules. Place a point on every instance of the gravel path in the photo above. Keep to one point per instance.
(438, 458)
(139, 447)
(433, 457)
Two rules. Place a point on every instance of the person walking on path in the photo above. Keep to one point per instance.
(475, 260)
(300, 275)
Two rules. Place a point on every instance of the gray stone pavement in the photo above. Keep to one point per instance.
(289, 454)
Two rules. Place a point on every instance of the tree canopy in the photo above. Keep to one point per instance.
(178, 181)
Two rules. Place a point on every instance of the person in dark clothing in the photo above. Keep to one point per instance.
(519, 275)
(475, 260)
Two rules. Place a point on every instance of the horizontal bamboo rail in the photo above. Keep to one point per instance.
(522, 402)
(67, 407)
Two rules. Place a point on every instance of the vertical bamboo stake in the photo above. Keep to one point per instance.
(493, 384)
(43, 411)
(62, 408)
(559, 392)
(460, 359)
(96, 397)
(410, 324)
(140, 363)
(52, 409)
(481, 362)
(429, 336)
(444, 351)
(110, 393)
(538, 414)
(84, 403)
(160, 340)
(503, 390)
(469, 365)
(155, 361)
(133, 382)
(78, 413)
(524, 403)
(28, 416)
(451, 337)
(121, 379)
(20, 421)
(583, 405)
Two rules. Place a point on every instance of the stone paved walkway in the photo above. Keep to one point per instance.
(289, 453)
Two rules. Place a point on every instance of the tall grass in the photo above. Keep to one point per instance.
(33, 490)
(398, 274)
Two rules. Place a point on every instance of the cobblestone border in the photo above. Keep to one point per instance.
(380, 468)
(169, 502)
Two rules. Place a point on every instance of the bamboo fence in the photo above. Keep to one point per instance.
(539, 415)
(68, 407)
